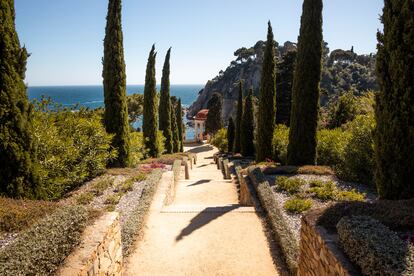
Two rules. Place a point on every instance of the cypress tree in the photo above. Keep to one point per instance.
(150, 118)
(284, 87)
(165, 105)
(230, 135)
(267, 100)
(179, 118)
(214, 120)
(114, 85)
(237, 143)
(175, 127)
(247, 127)
(18, 174)
(394, 111)
(305, 92)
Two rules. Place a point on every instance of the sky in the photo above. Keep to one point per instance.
(65, 37)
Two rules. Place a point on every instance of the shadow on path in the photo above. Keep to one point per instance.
(201, 149)
(199, 182)
(205, 217)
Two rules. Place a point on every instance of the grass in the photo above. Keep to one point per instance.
(85, 198)
(325, 192)
(298, 205)
(290, 185)
(113, 199)
(100, 186)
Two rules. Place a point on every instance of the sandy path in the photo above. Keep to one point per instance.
(204, 231)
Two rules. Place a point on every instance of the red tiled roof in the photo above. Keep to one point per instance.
(202, 114)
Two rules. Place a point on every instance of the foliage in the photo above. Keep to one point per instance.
(267, 101)
(214, 120)
(351, 195)
(114, 85)
(18, 172)
(165, 111)
(284, 84)
(73, 146)
(85, 198)
(326, 191)
(150, 118)
(315, 170)
(43, 247)
(331, 146)
(180, 124)
(297, 205)
(17, 214)
(101, 185)
(230, 135)
(220, 140)
(247, 126)
(305, 91)
(394, 112)
(135, 104)
(113, 199)
(175, 129)
(374, 247)
(138, 151)
(344, 110)
(237, 139)
(280, 143)
(290, 185)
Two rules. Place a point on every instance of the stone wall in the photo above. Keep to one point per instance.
(319, 254)
(100, 251)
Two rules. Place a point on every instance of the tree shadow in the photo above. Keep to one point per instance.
(201, 149)
(199, 182)
(204, 165)
(205, 217)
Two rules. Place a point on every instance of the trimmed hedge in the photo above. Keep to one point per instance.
(315, 170)
(374, 247)
(281, 232)
(42, 248)
(136, 221)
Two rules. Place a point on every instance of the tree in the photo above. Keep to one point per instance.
(247, 127)
(394, 112)
(344, 110)
(114, 85)
(237, 138)
(267, 101)
(150, 119)
(179, 118)
(165, 105)
(175, 124)
(305, 92)
(230, 134)
(135, 104)
(284, 87)
(18, 173)
(214, 120)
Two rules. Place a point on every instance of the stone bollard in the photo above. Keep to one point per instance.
(185, 163)
(226, 169)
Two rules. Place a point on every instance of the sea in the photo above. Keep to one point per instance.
(91, 96)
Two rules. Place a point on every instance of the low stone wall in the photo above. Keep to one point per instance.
(100, 251)
(319, 254)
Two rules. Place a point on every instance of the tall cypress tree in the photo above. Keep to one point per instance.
(165, 105)
(18, 175)
(214, 120)
(179, 118)
(237, 138)
(150, 118)
(267, 100)
(284, 87)
(247, 127)
(174, 124)
(394, 112)
(305, 92)
(114, 84)
(230, 135)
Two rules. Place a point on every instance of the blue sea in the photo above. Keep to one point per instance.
(91, 96)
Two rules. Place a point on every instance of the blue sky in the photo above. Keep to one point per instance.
(65, 37)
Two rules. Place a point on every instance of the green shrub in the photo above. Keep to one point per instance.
(139, 177)
(42, 248)
(352, 195)
(374, 247)
(126, 186)
(290, 185)
(101, 185)
(316, 183)
(220, 140)
(85, 198)
(113, 199)
(137, 146)
(298, 205)
(73, 146)
(325, 192)
(280, 143)
(331, 145)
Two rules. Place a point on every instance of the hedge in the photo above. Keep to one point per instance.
(42, 248)
(280, 230)
(374, 247)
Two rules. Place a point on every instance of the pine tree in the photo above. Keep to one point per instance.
(237, 138)
(114, 84)
(230, 135)
(18, 174)
(150, 118)
(305, 92)
(247, 127)
(284, 87)
(165, 105)
(179, 118)
(267, 100)
(214, 120)
(394, 112)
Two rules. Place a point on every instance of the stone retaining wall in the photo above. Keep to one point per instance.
(319, 254)
(100, 251)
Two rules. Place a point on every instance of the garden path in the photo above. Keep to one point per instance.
(204, 231)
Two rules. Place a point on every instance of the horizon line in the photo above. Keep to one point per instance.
(61, 85)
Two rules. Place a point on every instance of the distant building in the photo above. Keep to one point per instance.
(200, 125)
